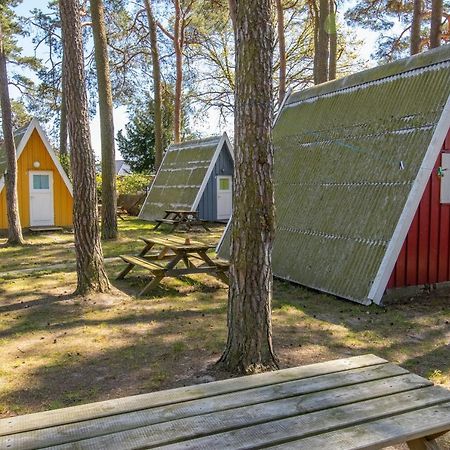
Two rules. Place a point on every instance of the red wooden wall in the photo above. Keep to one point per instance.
(425, 255)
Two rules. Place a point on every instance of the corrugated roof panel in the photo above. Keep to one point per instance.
(345, 162)
(180, 177)
(346, 156)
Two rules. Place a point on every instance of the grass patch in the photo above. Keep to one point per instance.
(59, 350)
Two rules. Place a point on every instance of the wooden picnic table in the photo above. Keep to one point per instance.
(362, 402)
(172, 251)
(180, 217)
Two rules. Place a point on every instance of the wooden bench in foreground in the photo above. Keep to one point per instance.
(362, 402)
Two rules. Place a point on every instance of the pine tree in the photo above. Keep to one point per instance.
(249, 344)
(91, 275)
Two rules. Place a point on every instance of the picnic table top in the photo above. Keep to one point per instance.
(175, 242)
(358, 402)
(180, 211)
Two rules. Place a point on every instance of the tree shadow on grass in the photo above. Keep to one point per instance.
(179, 346)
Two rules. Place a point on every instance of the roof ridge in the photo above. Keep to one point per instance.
(408, 64)
(196, 142)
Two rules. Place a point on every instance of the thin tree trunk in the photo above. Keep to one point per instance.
(12, 206)
(333, 42)
(90, 269)
(63, 150)
(156, 83)
(282, 52)
(105, 103)
(436, 23)
(249, 345)
(323, 42)
(232, 7)
(314, 11)
(178, 47)
(415, 39)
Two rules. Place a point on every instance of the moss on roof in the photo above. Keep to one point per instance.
(346, 156)
(180, 177)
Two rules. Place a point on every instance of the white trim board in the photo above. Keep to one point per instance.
(412, 203)
(35, 125)
(225, 231)
(223, 139)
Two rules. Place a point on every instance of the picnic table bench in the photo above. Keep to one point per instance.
(172, 251)
(177, 217)
(362, 402)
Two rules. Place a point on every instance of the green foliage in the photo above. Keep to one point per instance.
(392, 19)
(134, 183)
(12, 27)
(137, 144)
(65, 163)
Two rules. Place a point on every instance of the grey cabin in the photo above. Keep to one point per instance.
(195, 175)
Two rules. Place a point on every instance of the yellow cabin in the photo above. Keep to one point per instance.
(44, 190)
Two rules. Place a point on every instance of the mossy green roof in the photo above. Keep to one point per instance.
(347, 154)
(180, 177)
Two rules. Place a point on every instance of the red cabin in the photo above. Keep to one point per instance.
(425, 255)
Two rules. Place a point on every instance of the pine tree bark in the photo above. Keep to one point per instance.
(323, 42)
(415, 38)
(156, 83)
(178, 44)
(91, 275)
(63, 150)
(12, 206)
(281, 51)
(105, 103)
(333, 42)
(436, 23)
(249, 345)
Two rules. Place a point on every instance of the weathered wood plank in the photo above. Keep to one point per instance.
(139, 402)
(288, 391)
(139, 261)
(380, 433)
(185, 433)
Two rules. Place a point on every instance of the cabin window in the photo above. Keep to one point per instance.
(445, 178)
(41, 182)
(224, 184)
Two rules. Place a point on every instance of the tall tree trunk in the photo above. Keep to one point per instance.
(12, 206)
(282, 52)
(436, 23)
(90, 269)
(63, 150)
(232, 7)
(156, 83)
(105, 102)
(333, 42)
(249, 345)
(178, 47)
(323, 42)
(314, 11)
(415, 27)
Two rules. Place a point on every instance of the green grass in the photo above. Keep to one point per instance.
(59, 350)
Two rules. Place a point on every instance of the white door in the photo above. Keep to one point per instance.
(224, 197)
(41, 199)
